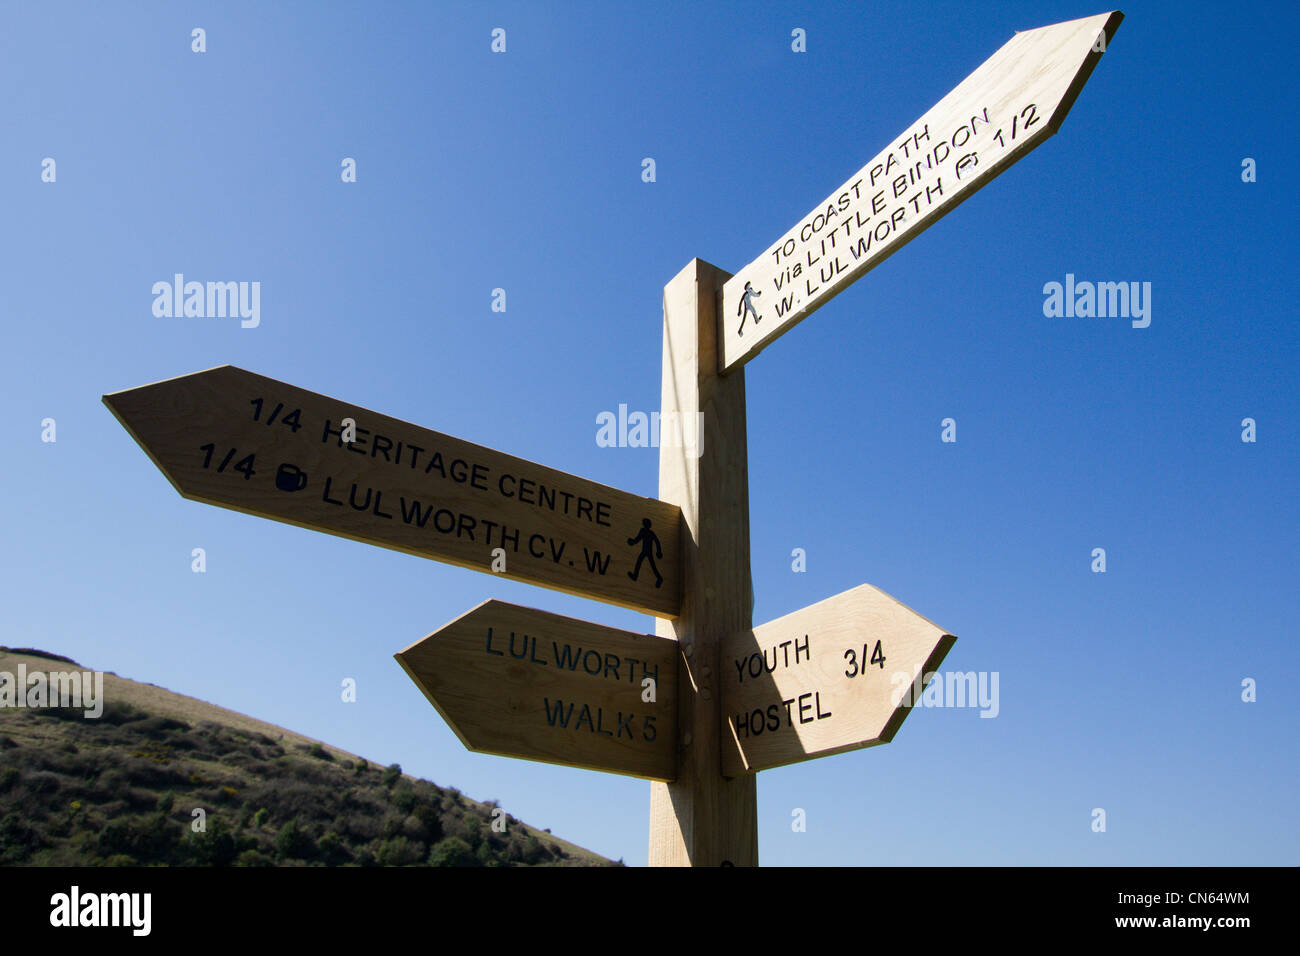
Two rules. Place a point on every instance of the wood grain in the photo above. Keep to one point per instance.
(805, 685)
(1013, 102)
(400, 486)
(703, 818)
(519, 682)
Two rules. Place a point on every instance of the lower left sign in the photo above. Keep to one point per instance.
(518, 682)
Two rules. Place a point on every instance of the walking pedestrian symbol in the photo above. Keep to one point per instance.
(747, 307)
(648, 540)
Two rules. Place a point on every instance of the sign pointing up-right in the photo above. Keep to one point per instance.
(1015, 100)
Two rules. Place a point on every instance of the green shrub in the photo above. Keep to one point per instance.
(391, 775)
(214, 847)
(452, 851)
(18, 841)
(149, 839)
(430, 822)
(292, 842)
(320, 753)
(404, 798)
(333, 851)
(253, 858)
(399, 851)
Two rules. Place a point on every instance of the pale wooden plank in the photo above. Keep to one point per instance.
(519, 682)
(399, 486)
(704, 819)
(1013, 102)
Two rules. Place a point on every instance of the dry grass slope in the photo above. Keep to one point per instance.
(123, 790)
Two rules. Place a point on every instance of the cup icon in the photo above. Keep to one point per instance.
(290, 478)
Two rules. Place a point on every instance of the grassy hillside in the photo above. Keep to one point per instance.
(124, 790)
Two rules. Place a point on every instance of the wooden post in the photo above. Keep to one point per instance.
(703, 818)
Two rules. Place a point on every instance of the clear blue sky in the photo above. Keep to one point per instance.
(1119, 690)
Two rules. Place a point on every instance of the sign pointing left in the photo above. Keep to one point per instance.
(519, 682)
(231, 438)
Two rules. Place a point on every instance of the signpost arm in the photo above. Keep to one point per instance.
(703, 818)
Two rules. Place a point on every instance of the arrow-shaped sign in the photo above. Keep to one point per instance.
(230, 438)
(518, 682)
(835, 676)
(1013, 102)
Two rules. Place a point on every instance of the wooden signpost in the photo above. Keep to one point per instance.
(709, 700)
(518, 682)
(1015, 100)
(231, 438)
(825, 679)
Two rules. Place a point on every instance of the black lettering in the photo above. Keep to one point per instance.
(559, 712)
(563, 716)
(803, 708)
(332, 431)
(325, 495)
(352, 498)
(413, 512)
(436, 462)
(567, 657)
(802, 648)
(594, 562)
(532, 656)
(479, 478)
